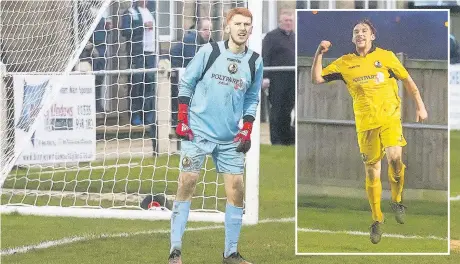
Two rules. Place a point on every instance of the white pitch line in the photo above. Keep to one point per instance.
(277, 220)
(85, 168)
(456, 198)
(74, 239)
(359, 233)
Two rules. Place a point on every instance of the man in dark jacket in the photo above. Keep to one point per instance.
(278, 49)
(182, 53)
(100, 39)
(454, 50)
(138, 27)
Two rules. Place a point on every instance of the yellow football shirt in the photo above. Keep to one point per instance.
(372, 83)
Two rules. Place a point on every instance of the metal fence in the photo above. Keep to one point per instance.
(327, 150)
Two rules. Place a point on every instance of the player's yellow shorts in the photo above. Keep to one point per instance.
(372, 143)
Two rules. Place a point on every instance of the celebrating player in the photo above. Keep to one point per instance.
(371, 74)
(220, 86)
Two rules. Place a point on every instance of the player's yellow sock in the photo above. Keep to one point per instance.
(374, 194)
(396, 182)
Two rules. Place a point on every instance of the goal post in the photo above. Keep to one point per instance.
(253, 155)
(3, 118)
(112, 168)
(454, 97)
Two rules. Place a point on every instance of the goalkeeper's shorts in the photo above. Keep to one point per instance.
(225, 157)
(372, 143)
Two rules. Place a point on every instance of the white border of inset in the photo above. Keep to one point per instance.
(297, 253)
(296, 133)
(448, 130)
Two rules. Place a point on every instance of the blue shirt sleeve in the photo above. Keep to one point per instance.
(193, 72)
(251, 99)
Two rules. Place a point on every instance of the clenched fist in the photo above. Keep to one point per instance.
(323, 47)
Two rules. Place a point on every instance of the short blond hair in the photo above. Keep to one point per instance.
(286, 12)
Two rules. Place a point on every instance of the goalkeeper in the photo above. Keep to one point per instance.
(370, 74)
(220, 86)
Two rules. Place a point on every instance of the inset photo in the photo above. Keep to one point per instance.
(372, 132)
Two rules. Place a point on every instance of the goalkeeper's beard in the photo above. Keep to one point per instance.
(238, 43)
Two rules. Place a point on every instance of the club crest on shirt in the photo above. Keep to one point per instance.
(378, 64)
(186, 162)
(232, 68)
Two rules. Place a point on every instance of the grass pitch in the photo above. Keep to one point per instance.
(263, 243)
(347, 221)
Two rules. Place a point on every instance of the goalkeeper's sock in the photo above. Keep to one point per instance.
(396, 182)
(178, 222)
(233, 220)
(374, 194)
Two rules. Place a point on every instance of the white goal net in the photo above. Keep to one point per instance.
(88, 104)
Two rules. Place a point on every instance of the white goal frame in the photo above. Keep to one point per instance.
(251, 212)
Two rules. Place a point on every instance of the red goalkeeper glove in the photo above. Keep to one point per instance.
(183, 129)
(244, 137)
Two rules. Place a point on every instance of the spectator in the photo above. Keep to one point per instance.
(93, 55)
(454, 50)
(100, 40)
(86, 62)
(182, 53)
(138, 27)
(278, 49)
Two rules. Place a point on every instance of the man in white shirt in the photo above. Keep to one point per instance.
(138, 27)
(149, 28)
